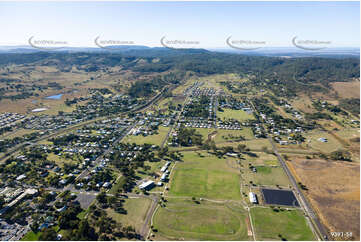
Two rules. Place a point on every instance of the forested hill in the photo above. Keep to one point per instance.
(308, 69)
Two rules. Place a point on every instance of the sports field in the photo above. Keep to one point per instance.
(183, 219)
(287, 225)
(204, 175)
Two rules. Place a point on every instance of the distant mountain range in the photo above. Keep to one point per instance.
(289, 52)
(286, 52)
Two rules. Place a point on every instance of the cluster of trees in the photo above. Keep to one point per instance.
(318, 115)
(145, 88)
(198, 108)
(351, 104)
(8, 143)
(64, 140)
(189, 137)
(78, 229)
(107, 228)
(263, 106)
(129, 166)
(341, 155)
(321, 106)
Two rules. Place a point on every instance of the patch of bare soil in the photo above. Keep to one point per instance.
(334, 192)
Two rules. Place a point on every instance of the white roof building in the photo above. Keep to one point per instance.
(146, 184)
(19, 178)
(163, 177)
(252, 197)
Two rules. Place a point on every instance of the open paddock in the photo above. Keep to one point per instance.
(313, 142)
(333, 190)
(260, 159)
(281, 224)
(204, 175)
(347, 89)
(183, 219)
(136, 208)
(239, 115)
(266, 176)
(253, 144)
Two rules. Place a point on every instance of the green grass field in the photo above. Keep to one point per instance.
(206, 176)
(136, 212)
(266, 175)
(254, 144)
(291, 225)
(235, 114)
(166, 101)
(185, 220)
(31, 236)
(155, 139)
(204, 132)
(224, 135)
(261, 159)
(60, 160)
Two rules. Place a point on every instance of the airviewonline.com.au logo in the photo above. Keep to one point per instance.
(245, 45)
(110, 44)
(178, 44)
(46, 44)
(310, 44)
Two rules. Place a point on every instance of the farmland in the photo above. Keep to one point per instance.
(347, 89)
(316, 176)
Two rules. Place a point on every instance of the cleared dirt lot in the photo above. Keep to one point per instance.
(333, 190)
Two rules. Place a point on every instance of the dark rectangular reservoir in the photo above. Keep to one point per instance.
(280, 197)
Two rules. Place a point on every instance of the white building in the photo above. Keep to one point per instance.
(164, 168)
(252, 197)
(146, 185)
(163, 177)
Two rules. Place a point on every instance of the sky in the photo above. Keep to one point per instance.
(207, 23)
